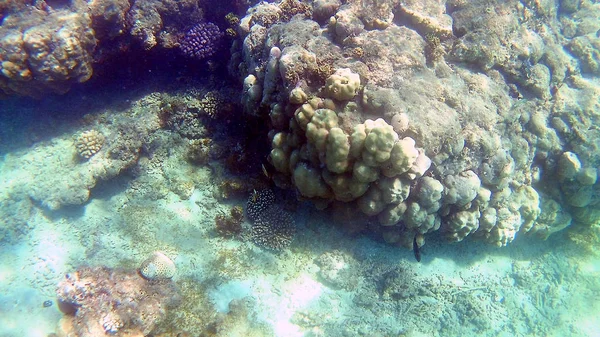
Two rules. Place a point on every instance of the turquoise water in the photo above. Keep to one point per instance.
(265, 221)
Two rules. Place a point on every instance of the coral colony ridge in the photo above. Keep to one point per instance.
(299, 168)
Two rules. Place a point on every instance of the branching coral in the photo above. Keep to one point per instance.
(274, 229)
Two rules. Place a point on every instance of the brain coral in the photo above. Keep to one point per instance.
(88, 143)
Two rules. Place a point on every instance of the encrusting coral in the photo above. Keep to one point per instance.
(45, 51)
(48, 46)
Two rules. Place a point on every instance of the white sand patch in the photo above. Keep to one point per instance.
(279, 302)
(227, 292)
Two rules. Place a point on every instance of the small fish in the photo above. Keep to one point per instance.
(265, 172)
(416, 249)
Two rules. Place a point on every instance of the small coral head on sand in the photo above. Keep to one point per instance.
(157, 267)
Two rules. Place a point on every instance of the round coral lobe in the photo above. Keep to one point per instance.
(201, 41)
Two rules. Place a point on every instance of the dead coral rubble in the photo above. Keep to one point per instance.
(230, 225)
(101, 301)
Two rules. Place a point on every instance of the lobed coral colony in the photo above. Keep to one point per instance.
(371, 109)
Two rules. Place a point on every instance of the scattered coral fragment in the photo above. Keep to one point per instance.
(88, 143)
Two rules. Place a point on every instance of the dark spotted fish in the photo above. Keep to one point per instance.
(416, 250)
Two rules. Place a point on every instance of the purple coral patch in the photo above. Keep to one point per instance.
(201, 41)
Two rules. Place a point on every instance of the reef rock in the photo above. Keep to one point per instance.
(413, 111)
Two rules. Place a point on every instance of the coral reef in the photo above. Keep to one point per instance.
(182, 118)
(15, 210)
(100, 301)
(198, 151)
(201, 41)
(234, 188)
(191, 112)
(338, 269)
(51, 176)
(372, 113)
(47, 46)
(213, 104)
(157, 21)
(196, 315)
(240, 320)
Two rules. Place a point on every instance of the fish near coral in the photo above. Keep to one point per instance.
(418, 241)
